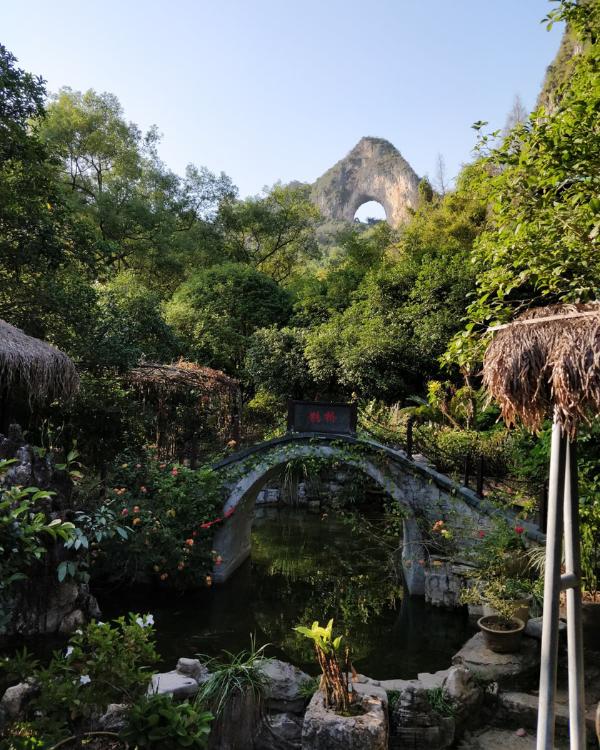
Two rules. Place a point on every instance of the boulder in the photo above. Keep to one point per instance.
(279, 730)
(283, 693)
(323, 729)
(533, 628)
(508, 670)
(114, 718)
(192, 668)
(15, 699)
(172, 683)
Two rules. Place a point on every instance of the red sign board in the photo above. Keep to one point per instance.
(321, 416)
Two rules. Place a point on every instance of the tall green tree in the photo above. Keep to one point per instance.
(542, 240)
(274, 233)
(216, 311)
(137, 211)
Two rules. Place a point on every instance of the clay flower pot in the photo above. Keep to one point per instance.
(501, 635)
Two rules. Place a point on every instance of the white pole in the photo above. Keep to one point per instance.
(554, 532)
(574, 630)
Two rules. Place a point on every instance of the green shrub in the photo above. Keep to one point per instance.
(156, 721)
(103, 663)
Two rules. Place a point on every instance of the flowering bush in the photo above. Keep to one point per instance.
(172, 512)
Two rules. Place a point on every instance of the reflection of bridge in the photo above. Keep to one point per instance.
(421, 491)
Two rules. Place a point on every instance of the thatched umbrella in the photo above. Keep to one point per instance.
(40, 369)
(547, 363)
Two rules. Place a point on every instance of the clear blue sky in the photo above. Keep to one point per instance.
(281, 89)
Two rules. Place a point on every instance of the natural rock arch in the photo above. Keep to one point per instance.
(373, 171)
(419, 489)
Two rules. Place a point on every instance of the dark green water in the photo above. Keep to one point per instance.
(304, 568)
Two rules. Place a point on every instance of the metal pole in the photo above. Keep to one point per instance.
(549, 654)
(574, 630)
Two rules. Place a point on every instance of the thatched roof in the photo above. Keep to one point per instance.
(548, 358)
(41, 369)
(180, 377)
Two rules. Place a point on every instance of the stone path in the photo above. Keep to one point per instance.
(502, 739)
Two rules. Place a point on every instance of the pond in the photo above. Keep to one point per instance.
(305, 567)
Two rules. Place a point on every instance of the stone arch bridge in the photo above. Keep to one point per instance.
(421, 491)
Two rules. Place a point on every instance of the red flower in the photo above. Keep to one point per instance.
(189, 542)
(519, 529)
(136, 508)
(174, 472)
(481, 534)
(124, 512)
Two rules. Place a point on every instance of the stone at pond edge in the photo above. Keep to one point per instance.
(505, 669)
(173, 683)
(192, 668)
(279, 730)
(415, 724)
(323, 729)
(284, 682)
(14, 700)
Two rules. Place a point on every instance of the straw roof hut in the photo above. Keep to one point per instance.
(547, 361)
(188, 401)
(34, 366)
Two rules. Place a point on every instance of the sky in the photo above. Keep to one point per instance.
(269, 90)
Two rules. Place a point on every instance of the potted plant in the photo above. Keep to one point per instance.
(505, 604)
(337, 715)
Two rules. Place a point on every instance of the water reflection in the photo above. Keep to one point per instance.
(306, 567)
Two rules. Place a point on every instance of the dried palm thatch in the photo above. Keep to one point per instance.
(181, 377)
(40, 369)
(547, 360)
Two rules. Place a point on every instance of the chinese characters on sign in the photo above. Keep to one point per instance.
(312, 416)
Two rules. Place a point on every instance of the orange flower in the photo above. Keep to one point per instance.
(189, 542)
(137, 521)
(164, 576)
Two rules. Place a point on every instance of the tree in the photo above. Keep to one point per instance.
(136, 209)
(542, 238)
(275, 362)
(37, 238)
(274, 233)
(217, 310)
(518, 114)
(440, 175)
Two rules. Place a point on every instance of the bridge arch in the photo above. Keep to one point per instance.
(419, 489)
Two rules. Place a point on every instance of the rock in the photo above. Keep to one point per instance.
(521, 710)
(533, 628)
(279, 730)
(323, 729)
(114, 718)
(284, 684)
(15, 699)
(373, 168)
(430, 681)
(597, 722)
(505, 669)
(72, 621)
(461, 687)
(173, 683)
(192, 668)
(414, 723)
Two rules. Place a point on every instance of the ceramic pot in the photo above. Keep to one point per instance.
(500, 635)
